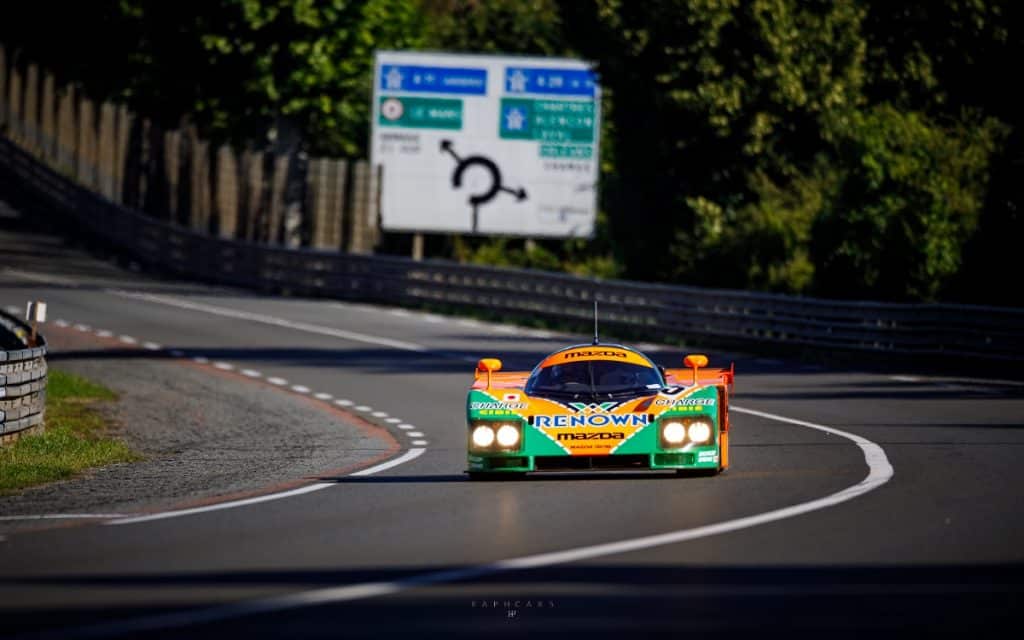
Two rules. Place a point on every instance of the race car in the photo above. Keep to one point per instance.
(598, 407)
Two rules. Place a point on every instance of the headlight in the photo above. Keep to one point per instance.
(508, 436)
(483, 436)
(673, 432)
(700, 431)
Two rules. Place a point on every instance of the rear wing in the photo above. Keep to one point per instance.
(706, 376)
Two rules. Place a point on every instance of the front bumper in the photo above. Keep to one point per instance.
(700, 458)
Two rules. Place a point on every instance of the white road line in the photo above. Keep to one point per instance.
(905, 378)
(414, 434)
(406, 426)
(879, 472)
(251, 373)
(420, 443)
(280, 382)
(344, 403)
(62, 323)
(379, 414)
(322, 396)
(224, 366)
(393, 420)
(151, 346)
(82, 327)
(64, 516)
(364, 408)
(411, 454)
(271, 320)
(400, 313)
(127, 339)
(298, 388)
(201, 360)
(103, 333)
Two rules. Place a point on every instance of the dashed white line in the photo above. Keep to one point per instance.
(127, 339)
(62, 323)
(151, 346)
(201, 360)
(322, 396)
(298, 388)
(393, 420)
(103, 333)
(224, 366)
(415, 434)
(364, 408)
(280, 382)
(379, 414)
(406, 426)
(251, 373)
(420, 443)
(344, 403)
(82, 327)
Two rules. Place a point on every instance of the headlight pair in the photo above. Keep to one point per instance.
(489, 436)
(674, 433)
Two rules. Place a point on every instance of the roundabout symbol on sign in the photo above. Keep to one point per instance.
(485, 196)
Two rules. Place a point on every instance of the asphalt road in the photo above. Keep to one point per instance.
(801, 543)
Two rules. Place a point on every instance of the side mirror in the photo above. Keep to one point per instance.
(490, 365)
(695, 361)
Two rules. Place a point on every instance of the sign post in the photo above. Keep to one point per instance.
(487, 145)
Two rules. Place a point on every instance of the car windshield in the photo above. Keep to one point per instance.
(598, 378)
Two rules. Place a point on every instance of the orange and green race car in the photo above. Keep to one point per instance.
(598, 407)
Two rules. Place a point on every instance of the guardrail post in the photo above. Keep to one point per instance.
(226, 193)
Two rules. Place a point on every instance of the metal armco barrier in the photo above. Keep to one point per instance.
(22, 379)
(916, 332)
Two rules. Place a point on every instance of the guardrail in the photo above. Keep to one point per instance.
(22, 379)
(919, 332)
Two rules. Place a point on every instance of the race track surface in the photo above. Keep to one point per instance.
(932, 545)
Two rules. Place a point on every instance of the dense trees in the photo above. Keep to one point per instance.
(852, 148)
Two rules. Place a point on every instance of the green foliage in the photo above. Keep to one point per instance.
(911, 197)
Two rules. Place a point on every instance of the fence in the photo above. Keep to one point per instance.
(176, 176)
(918, 332)
(22, 380)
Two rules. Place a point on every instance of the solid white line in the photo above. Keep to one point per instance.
(271, 320)
(411, 454)
(63, 516)
(905, 378)
(879, 472)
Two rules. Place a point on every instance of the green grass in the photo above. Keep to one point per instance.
(76, 437)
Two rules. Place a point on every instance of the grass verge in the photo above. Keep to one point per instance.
(76, 437)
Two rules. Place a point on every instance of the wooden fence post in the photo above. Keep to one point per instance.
(227, 200)
(86, 147)
(326, 193)
(67, 132)
(252, 194)
(30, 111)
(105, 151)
(272, 232)
(172, 164)
(122, 134)
(3, 86)
(199, 211)
(364, 208)
(14, 127)
(47, 122)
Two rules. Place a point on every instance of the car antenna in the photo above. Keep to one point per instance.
(596, 340)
